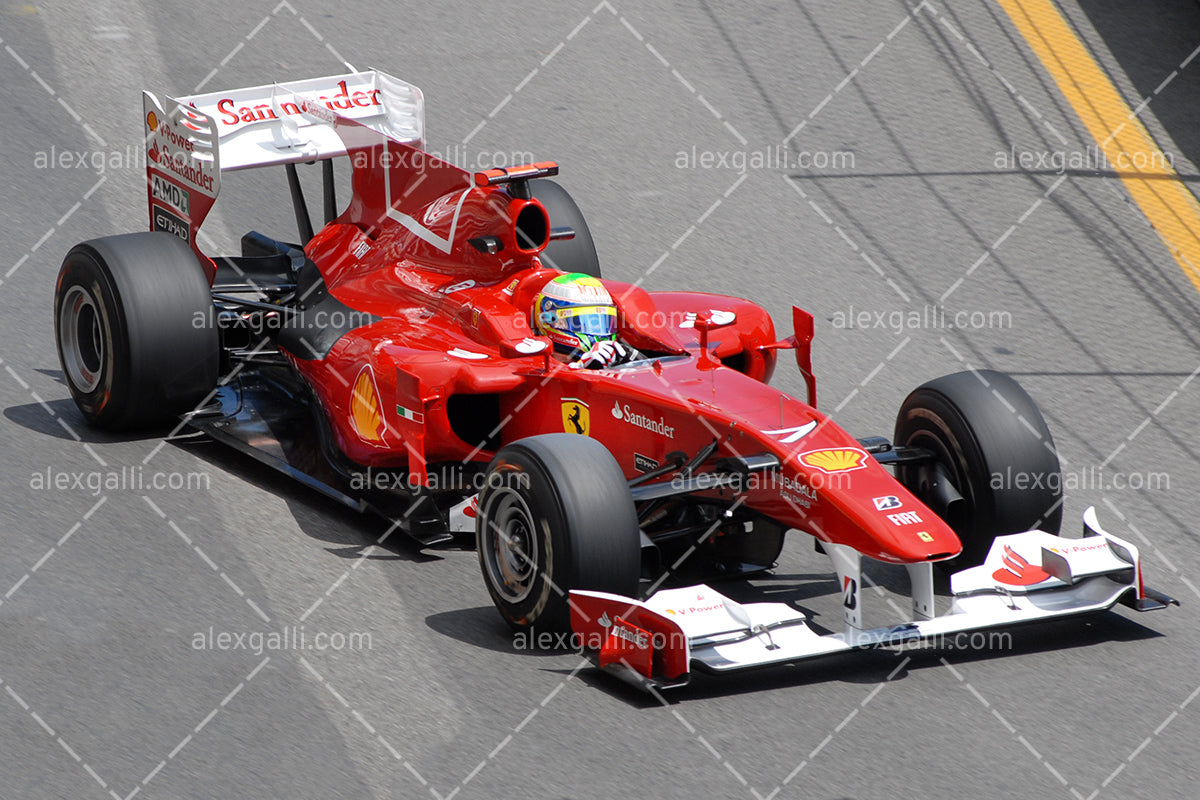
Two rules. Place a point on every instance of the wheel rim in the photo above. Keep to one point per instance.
(510, 544)
(82, 340)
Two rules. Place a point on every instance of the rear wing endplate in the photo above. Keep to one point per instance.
(191, 140)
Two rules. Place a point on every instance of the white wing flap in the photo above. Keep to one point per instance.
(291, 122)
(1036, 560)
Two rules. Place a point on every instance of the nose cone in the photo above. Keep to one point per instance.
(905, 534)
(871, 511)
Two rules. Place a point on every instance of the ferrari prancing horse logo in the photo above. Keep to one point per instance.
(575, 416)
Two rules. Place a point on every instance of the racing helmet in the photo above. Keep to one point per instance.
(575, 311)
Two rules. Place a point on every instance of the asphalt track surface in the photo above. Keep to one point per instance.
(111, 684)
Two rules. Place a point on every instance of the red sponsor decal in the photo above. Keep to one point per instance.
(630, 645)
(341, 100)
(1017, 571)
(591, 620)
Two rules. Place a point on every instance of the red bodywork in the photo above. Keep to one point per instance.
(454, 320)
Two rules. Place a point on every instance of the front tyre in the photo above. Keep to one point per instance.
(555, 515)
(133, 322)
(991, 442)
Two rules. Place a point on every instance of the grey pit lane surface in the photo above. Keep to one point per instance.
(109, 690)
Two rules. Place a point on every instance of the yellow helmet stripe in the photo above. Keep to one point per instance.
(580, 311)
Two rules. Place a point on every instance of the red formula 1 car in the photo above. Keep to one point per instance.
(391, 359)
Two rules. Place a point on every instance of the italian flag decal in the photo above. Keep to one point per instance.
(409, 414)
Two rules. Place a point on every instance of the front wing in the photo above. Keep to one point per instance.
(1027, 577)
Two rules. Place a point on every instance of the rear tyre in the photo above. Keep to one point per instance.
(993, 444)
(555, 515)
(133, 322)
(568, 255)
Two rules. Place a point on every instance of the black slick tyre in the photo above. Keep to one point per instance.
(992, 443)
(133, 323)
(555, 514)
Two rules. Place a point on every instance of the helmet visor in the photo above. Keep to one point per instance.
(588, 320)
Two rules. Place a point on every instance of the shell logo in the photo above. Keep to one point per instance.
(152, 121)
(835, 459)
(365, 411)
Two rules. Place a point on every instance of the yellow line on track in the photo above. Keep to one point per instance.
(1147, 174)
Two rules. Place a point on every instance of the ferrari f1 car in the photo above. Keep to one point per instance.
(388, 359)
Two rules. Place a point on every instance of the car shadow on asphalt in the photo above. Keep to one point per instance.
(482, 627)
(354, 534)
(60, 418)
(874, 666)
(324, 519)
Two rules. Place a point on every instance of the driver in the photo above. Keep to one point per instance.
(577, 313)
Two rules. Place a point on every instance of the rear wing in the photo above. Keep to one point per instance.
(190, 141)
